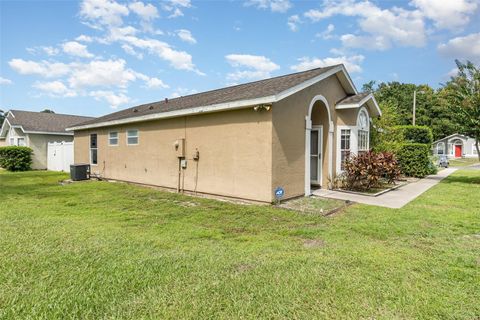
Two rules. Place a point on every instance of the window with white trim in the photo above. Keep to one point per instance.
(113, 138)
(132, 137)
(21, 142)
(450, 149)
(345, 135)
(93, 149)
(12, 141)
(363, 131)
(440, 148)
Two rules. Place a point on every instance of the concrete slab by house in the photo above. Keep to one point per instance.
(394, 199)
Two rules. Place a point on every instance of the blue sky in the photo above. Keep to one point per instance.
(93, 57)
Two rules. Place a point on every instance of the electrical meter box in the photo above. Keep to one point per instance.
(180, 148)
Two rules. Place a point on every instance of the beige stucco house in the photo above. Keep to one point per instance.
(243, 141)
(36, 130)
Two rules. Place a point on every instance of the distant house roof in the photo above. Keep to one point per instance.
(451, 136)
(229, 98)
(41, 122)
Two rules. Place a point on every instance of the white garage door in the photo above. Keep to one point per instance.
(60, 156)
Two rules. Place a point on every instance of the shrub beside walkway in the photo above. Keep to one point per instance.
(393, 199)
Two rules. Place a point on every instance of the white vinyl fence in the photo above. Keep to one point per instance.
(59, 156)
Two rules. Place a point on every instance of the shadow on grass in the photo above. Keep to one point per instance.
(462, 179)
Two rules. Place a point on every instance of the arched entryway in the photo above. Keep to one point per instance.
(318, 144)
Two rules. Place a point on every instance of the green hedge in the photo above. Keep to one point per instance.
(412, 134)
(16, 158)
(414, 160)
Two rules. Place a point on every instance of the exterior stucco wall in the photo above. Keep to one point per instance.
(38, 143)
(234, 147)
(288, 144)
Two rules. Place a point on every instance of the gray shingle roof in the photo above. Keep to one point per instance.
(356, 98)
(251, 90)
(44, 122)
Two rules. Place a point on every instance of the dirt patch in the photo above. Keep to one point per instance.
(313, 205)
(243, 267)
(314, 243)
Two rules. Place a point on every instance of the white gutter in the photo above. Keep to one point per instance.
(221, 106)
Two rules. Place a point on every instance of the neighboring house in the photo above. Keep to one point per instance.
(455, 146)
(36, 130)
(242, 141)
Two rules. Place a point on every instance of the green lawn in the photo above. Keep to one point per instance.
(97, 250)
(462, 162)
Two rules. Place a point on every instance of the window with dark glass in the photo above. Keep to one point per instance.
(93, 149)
(344, 146)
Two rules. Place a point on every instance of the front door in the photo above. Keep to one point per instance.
(316, 146)
(458, 151)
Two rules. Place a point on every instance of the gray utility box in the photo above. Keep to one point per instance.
(79, 172)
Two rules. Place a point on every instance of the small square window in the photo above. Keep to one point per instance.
(21, 142)
(113, 138)
(132, 137)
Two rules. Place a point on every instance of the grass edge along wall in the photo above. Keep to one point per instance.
(244, 153)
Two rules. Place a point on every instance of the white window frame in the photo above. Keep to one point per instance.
(137, 136)
(12, 141)
(110, 139)
(24, 142)
(353, 144)
(444, 151)
(365, 129)
(90, 148)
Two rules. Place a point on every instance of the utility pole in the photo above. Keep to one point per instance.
(414, 104)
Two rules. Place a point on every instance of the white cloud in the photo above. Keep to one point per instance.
(259, 67)
(113, 99)
(186, 35)
(178, 59)
(51, 51)
(365, 42)
(174, 6)
(394, 26)
(43, 68)
(84, 38)
(293, 22)
(273, 5)
(74, 48)
(103, 12)
(48, 50)
(5, 81)
(129, 50)
(352, 63)
(465, 47)
(107, 73)
(145, 12)
(155, 83)
(451, 14)
(327, 34)
(55, 89)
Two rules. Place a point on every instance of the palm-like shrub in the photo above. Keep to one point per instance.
(369, 169)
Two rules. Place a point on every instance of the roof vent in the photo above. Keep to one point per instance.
(166, 100)
(135, 110)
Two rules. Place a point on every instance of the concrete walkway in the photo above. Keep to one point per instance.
(393, 199)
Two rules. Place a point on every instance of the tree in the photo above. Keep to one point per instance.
(463, 98)
(2, 117)
(47, 111)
